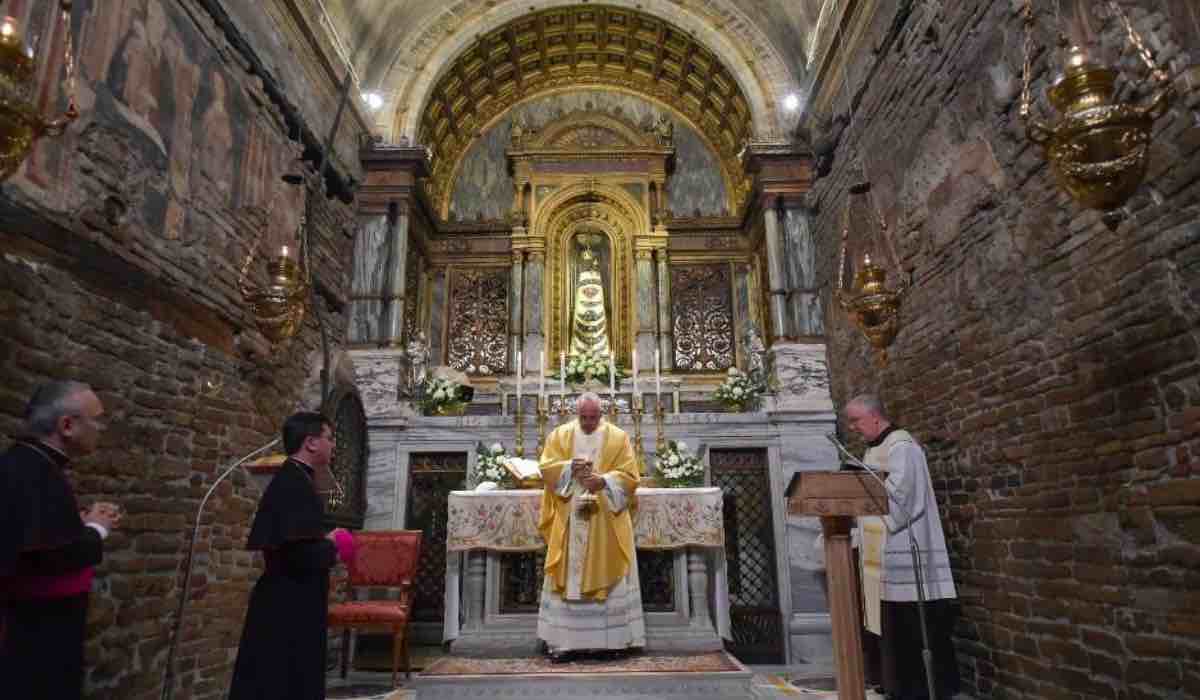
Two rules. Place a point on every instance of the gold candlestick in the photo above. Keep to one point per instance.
(636, 410)
(562, 409)
(519, 419)
(660, 442)
(542, 415)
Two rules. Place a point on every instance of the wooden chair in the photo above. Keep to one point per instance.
(382, 559)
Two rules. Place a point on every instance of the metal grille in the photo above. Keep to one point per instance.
(346, 504)
(656, 574)
(431, 478)
(702, 309)
(521, 576)
(478, 320)
(757, 621)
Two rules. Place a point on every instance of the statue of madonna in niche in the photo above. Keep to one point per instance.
(589, 269)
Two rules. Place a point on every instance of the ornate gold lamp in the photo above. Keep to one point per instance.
(874, 308)
(278, 306)
(1099, 147)
(21, 123)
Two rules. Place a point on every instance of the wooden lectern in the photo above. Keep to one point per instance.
(836, 498)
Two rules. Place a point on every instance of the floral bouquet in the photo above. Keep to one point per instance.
(738, 389)
(443, 397)
(489, 466)
(589, 365)
(677, 467)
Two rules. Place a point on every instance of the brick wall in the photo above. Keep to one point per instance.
(1048, 358)
(118, 266)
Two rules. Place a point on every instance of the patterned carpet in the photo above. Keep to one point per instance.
(710, 662)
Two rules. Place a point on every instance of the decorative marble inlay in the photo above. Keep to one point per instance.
(478, 320)
(702, 313)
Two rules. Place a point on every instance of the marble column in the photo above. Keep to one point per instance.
(515, 315)
(666, 328)
(776, 277)
(370, 277)
(397, 268)
(437, 316)
(697, 568)
(535, 269)
(647, 309)
(804, 299)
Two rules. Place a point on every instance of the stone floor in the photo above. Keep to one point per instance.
(768, 683)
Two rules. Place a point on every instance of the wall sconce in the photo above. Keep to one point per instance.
(1099, 147)
(21, 123)
(279, 305)
(874, 308)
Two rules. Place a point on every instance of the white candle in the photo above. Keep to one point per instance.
(562, 363)
(612, 379)
(542, 379)
(657, 375)
(633, 359)
(519, 373)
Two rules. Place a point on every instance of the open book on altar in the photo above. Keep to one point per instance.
(523, 469)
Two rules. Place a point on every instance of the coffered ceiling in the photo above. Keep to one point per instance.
(403, 49)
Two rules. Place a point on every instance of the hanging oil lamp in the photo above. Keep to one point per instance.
(1099, 147)
(873, 307)
(21, 123)
(279, 305)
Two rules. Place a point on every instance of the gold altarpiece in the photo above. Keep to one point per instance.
(585, 174)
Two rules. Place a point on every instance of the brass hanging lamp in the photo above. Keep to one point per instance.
(874, 308)
(21, 122)
(1099, 147)
(279, 305)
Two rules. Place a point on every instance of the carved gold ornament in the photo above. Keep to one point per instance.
(21, 122)
(874, 308)
(1099, 147)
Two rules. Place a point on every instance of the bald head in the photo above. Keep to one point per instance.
(587, 407)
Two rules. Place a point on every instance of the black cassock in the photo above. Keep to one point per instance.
(282, 653)
(42, 538)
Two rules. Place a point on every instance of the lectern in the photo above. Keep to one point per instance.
(836, 498)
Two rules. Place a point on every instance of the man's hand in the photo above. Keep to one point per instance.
(332, 536)
(593, 483)
(580, 469)
(106, 515)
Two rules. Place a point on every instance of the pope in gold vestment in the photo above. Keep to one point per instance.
(590, 596)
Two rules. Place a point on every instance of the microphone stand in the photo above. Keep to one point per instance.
(168, 689)
(918, 573)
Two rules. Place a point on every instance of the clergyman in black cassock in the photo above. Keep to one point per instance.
(282, 652)
(48, 548)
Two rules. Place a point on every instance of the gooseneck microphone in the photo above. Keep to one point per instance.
(915, 549)
(168, 689)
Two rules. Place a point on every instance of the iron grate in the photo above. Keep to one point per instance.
(432, 476)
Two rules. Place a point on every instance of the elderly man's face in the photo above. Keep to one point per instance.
(863, 422)
(589, 416)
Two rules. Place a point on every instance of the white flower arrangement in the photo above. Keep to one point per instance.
(677, 467)
(738, 389)
(589, 365)
(489, 465)
(439, 394)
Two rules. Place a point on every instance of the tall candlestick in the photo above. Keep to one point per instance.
(633, 359)
(519, 373)
(612, 379)
(542, 379)
(657, 375)
(562, 363)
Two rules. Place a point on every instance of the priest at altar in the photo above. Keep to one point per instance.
(591, 600)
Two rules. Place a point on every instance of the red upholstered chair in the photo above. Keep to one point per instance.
(382, 559)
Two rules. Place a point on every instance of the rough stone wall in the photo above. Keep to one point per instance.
(121, 250)
(1048, 360)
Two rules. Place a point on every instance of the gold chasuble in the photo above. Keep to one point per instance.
(609, 536)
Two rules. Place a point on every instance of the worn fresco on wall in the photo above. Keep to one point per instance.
(483, 189)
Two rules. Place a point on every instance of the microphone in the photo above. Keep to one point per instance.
(915, 549)
(169, 672)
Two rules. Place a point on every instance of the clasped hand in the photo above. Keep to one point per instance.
(103, 513)
(581, 471)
